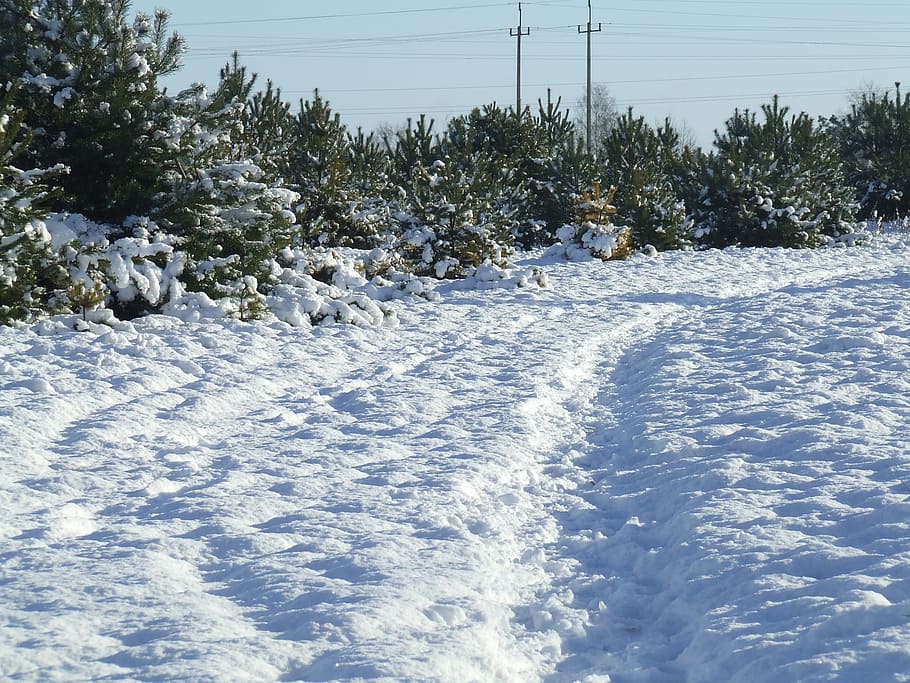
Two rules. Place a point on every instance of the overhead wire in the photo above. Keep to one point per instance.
(648, 33)
(636, 81)
(346, 15)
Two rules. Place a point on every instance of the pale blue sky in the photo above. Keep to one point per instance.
(695, 60)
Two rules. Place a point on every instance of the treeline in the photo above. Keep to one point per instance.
(234, 192)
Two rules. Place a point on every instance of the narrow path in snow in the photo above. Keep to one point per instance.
(725, 504)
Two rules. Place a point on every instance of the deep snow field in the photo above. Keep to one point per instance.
(692, 467)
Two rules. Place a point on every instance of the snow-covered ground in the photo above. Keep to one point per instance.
(684, 468)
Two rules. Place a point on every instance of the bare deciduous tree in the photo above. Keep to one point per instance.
(603, 114)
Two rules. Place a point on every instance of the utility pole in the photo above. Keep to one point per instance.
(518, 33)
(589, 30)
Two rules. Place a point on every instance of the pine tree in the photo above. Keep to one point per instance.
(263, 135)
(369, 165)
(642, 162)
(656, 215)
(454, 196)
(411, 148)
(874, 141)
(87, 80)
(370, 185)
(556, 170)
(319, 170)
(226, 214)
(456, 226)
(775, 182)
(31, 275)
(411, 151)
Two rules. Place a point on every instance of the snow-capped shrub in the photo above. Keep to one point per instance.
(606, 242)
(229, 223)
(593, 233)
(132, 275)
(379, 274)
(31, 277)
(489, 276)
(66, 263)
(320, 285)
(251, 304)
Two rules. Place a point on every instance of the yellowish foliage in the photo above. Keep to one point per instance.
(593, 206)
(86, 297)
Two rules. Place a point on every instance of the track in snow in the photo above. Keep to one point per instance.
(745, 517)
(689, 468)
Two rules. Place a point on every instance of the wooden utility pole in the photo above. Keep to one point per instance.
(518, 33)
(589, 30)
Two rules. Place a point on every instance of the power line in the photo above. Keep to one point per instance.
(634, 39)
(738, 97)
(288, 51)
(718, 97)
(718, 15)
(769, 41)
(788, 3)
(618, 29)
(349, 15)
(636, 81)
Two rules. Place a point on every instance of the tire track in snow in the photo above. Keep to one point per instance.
(420, 555)
(137, 442)
(349, 504)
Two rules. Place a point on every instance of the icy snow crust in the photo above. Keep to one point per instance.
(685, 468)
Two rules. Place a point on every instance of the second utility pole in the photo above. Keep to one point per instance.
(589, 31)
(519, 32)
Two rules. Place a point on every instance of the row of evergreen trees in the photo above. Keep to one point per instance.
(217, 191)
